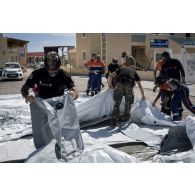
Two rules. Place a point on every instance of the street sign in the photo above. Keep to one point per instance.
(159, 43)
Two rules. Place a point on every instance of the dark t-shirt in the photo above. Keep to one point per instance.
(47, 86)
(113, 67)
(129, 73)
(172, 69)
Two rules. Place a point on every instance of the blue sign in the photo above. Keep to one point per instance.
(159, 43)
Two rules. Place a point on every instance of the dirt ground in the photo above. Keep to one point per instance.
(13, 87)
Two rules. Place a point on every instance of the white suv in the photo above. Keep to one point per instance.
(12, 70)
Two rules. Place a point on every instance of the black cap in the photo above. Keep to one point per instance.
(165, 54)
(93, 54)
(114, 60)
(124, 54)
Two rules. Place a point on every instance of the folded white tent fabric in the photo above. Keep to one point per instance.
(182, 157)
(91, 154)
(56, 118)
(143, 112)
(97, 107)
(16, 150)
(15, 117)
(148, 135)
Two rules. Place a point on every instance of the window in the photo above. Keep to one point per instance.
(158, 57)
(12, 66)
(187, 35)
(138, 37)
(83, 35)
(84, 56)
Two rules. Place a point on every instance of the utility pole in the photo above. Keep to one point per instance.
(62, 56)
(69, 59)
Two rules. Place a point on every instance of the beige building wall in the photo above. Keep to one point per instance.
(173, 47)
(116, 43)
(13, 54)
(95, 43)
(90, 43)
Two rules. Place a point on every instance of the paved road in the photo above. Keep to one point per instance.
(13, 87)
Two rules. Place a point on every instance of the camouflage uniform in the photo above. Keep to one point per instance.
(120, 91)
(124, 87)
(131, 60)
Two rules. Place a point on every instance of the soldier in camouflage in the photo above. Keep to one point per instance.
(126, 79)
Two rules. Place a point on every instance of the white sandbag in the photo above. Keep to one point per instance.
(91, 154)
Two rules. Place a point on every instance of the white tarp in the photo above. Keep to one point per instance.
(96, 108)
(143, 112)
(56, 118)
(182, 157)
(147, 134)
(91, 154)
(16, 150)
(15, 118)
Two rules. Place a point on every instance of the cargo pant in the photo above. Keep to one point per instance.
(122, 89)
(89, 82)
(181, 94)
(166, 101)
(96, 81)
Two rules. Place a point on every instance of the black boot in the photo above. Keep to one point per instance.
(92, 93)
(176, 118)
(87, 92)
(180, 113)
(113, 122)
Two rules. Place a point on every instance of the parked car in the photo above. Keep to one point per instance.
(12, 70)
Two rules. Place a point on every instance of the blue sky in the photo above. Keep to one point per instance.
(38, 40)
